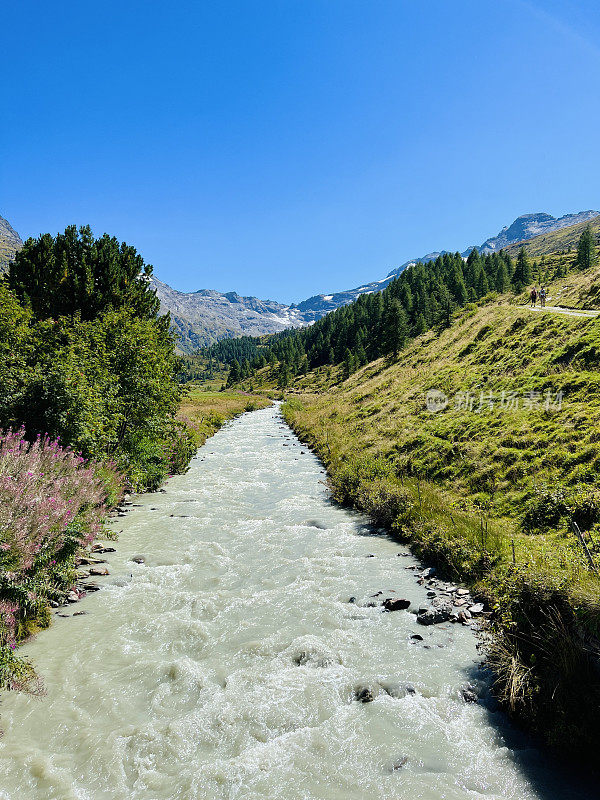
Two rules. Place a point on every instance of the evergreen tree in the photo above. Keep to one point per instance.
(395, 328)
(349, 364)
(522, 275)
(457, 284)
(586, 257)
(420, 325)
(73, 273)
(234, 373)
(284, 376)
(502, 280)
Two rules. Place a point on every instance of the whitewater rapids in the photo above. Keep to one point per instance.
(225, 666)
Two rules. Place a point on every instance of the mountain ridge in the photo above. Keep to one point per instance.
(10, 243)
(523, 228)
(202, 317)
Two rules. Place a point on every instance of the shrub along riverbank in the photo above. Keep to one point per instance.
(87, 410)
(487, 488)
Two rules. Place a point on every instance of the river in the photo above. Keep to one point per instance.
(225, 666)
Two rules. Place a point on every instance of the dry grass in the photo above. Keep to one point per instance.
(205, 412)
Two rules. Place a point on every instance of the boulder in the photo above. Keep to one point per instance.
(395, 604)
(138, 560)
(468, 696)
(98, 571)
(476, 609)
(439, 610)
(363, 694)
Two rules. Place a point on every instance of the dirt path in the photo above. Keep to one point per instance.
(572, 312)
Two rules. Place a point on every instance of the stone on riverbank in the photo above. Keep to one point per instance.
(439, 610)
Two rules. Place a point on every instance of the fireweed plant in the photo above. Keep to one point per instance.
(52, 503)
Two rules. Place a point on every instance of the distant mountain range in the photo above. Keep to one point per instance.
(206, 316)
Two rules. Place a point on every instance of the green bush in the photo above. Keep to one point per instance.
(548, 507)
(545, 509)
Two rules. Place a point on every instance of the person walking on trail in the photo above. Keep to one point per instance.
(543, 297)
(533, 297)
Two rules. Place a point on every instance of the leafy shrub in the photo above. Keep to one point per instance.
(386, 504)
(545, 509)
(353, 473)
(584, 507)
(548, 507)
(180, 447)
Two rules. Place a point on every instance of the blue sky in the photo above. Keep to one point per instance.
(284, 148)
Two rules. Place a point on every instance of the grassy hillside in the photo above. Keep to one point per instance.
(489, 486)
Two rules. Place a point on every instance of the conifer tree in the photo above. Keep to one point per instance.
(74, 273)
(502, 281)
(457, 284)
(284, 376)
(586, 257)
(395, 328)
(234, 373)
(420, 325)
(522, 275)
(349, 364)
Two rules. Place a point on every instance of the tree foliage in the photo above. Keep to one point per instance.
(73, 272)
(587, 256)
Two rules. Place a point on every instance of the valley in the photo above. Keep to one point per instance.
(476, 444)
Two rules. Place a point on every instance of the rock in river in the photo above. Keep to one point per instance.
(439, 610)
(98, 571)
(363, 694)
(395, 604)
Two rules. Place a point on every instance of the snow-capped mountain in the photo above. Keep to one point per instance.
(205, 316)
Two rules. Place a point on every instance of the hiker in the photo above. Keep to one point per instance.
(543, 297)
(533, 297)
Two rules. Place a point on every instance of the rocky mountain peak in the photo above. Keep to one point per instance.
(10, 242)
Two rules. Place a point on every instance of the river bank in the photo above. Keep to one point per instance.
(541, 638)
(223, 659)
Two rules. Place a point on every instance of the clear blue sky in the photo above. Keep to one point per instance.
(283, 148)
